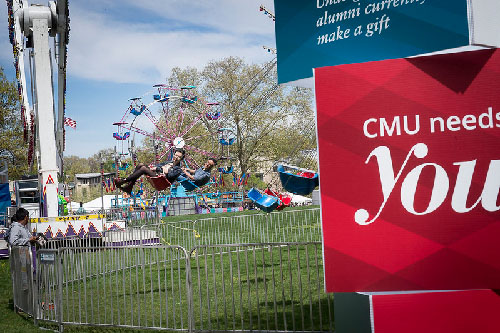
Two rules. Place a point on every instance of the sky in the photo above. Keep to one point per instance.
(118, 49)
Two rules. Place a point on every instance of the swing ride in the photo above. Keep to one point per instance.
(175, 118)
(266, 203)
(297, 180)
(284, 199)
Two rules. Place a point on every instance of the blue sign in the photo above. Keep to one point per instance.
(4, 201)
(317, 33)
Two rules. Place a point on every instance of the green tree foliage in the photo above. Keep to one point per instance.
(11, 127)
(270, 122)
(75, 165)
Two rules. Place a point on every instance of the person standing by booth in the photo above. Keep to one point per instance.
(19, 235)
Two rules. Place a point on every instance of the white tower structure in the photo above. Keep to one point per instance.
(35, 24)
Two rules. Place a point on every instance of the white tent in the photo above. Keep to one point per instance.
(95, 204)
(300, 200)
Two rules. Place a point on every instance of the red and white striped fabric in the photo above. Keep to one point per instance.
(69, 122)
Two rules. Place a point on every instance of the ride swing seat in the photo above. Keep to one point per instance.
(213, 116)
(285, 200)
(190, 186)
(264, 202)
(301, 184)
(160, 182)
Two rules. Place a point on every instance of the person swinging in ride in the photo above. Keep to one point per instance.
(171, 170)
(200, 176)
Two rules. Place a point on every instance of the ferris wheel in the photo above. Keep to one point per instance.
(175, 118)
(31, 27)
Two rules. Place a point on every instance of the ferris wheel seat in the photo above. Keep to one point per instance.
(213, 116)
(298, 184)
(227, 143)
(160, 183)
(117, 136)
(266, 203)
(161, 98)
(189, 100)
(136, 112)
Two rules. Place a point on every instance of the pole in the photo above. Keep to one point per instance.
(155, 149)
(116, 176)
(102, 183)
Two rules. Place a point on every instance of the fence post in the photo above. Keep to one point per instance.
(34, 287)
(13, 276)
(196, 242)
(60, 291)
(189, 289)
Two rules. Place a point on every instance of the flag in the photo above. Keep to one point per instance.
(69, 122)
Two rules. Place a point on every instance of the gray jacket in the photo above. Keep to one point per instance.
(19, 235)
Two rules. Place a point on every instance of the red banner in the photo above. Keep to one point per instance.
(457, 312)
(409, 154)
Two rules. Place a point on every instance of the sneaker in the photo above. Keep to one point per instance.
(127, 188)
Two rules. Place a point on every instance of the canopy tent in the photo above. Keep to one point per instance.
(299, 199)
(95, 204)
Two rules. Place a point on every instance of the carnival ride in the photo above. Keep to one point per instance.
(175, 117)
(169, 118)
(30, 29)
(297, 180)
(266, 203)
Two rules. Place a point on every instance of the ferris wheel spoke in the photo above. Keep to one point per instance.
(155, 123)
(200, 151)
(180, 119)
(192, 161)
(137, 130)
(165, 152)
(198, 137)
(193, 123)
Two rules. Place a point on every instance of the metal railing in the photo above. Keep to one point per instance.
(260, 287)
(258, 272)
(240, 287)
(292, 226)
(21, 268)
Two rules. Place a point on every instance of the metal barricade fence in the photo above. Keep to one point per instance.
(180, 233)
(287, 226)
(136, 217)
(21, 268)
(241, 287)
(290, 226)
(49, 282)
(140, 287)
(260, 287)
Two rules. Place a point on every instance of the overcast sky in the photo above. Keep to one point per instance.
(119, 49)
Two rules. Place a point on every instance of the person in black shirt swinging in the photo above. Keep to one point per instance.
(171, 170)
